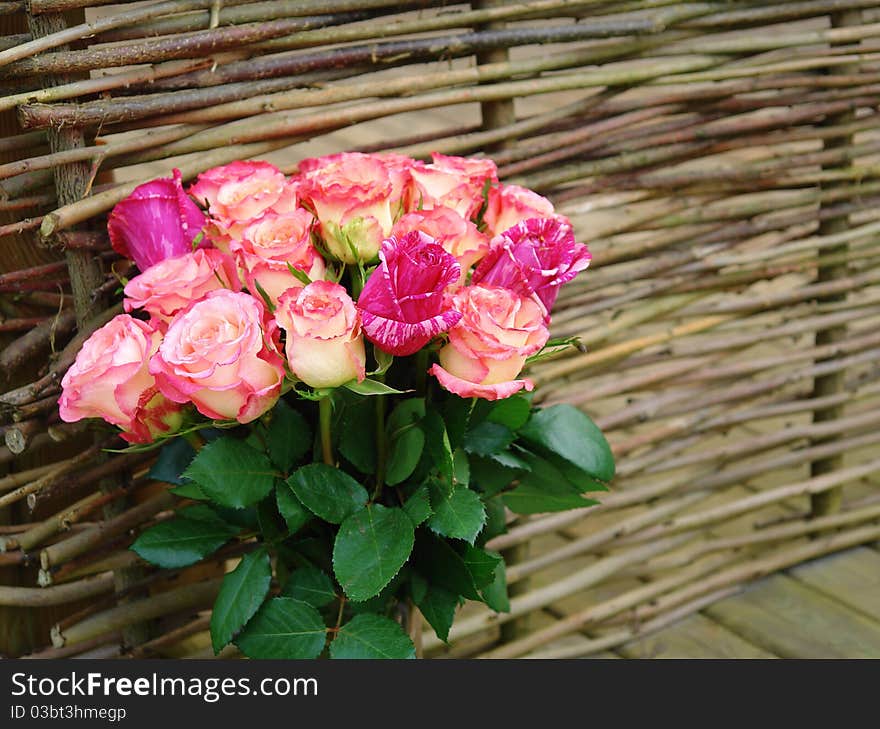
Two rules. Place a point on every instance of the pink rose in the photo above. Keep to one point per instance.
(238, 192)
(458, 236)
(356, 198)
(325, 346)
(454, 182)
(110, 380)
(272, 242)
(219, 354)
(173, 284)
(534, 258)
(507, 205)
(157, 221)
(488, 348)
(403, 304)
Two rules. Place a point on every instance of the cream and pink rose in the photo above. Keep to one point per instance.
(458, 236)
(498, 331)
(325, 346)
(356, 198)
(453, 182)
(271, 244)
(237, 193)
(173, 284)
(220, 354)
(507, 205)
(110, 380)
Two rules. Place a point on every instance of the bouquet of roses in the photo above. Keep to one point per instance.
(332, 365)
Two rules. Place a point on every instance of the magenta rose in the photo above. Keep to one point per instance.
(271, 244)
(110, 380)
(356, 198)
(219, 354)
(173, 284)
(325, 346)
(507, 205)
(453, 182)
(403, 305)
(458, 236)
(157, 221)
(488, 347)
(534, 258)
(237, 193)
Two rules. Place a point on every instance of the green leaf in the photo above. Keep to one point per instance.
(295, 514)
(288, 436)
(371, 547)
(272, 525)
(438, 446)
(512, 412)
(566, 431)
(283, 628)
(407, 413)
(356, 440)
(496, 518)
(371, 636)
(491, 476)
(481, 564)
(372, 387)
(328, 492)
(460, 515)
(418, 505)
(461, 467)
(181, 541)
(173, 459)
(189, 490)
(443, 566)
(241, 594)
(310, 585)
(383, 361)
(299, 275)
(495, 593)
(533, 498)
(487, 438)
(457, 414)
(264, 295)
(404, 455)
(232, 473)
(438, 608)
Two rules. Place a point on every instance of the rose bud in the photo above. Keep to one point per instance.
(403, 305)
(356, 198)
(507, 205)
(534, 258)
(453, 182)
(325, 346)
(173, 284)
(458, 236)
(237, 193)
(219, 355)
(110, 380)
(270, 244)
(488, 348)
(157, 221)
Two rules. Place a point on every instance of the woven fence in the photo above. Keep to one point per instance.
(719, 158)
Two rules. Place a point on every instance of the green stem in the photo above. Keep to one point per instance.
(325, 411)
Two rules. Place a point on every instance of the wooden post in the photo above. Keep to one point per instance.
(72, 183)
(828, 502)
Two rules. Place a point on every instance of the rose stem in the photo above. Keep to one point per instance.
(325, 411)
